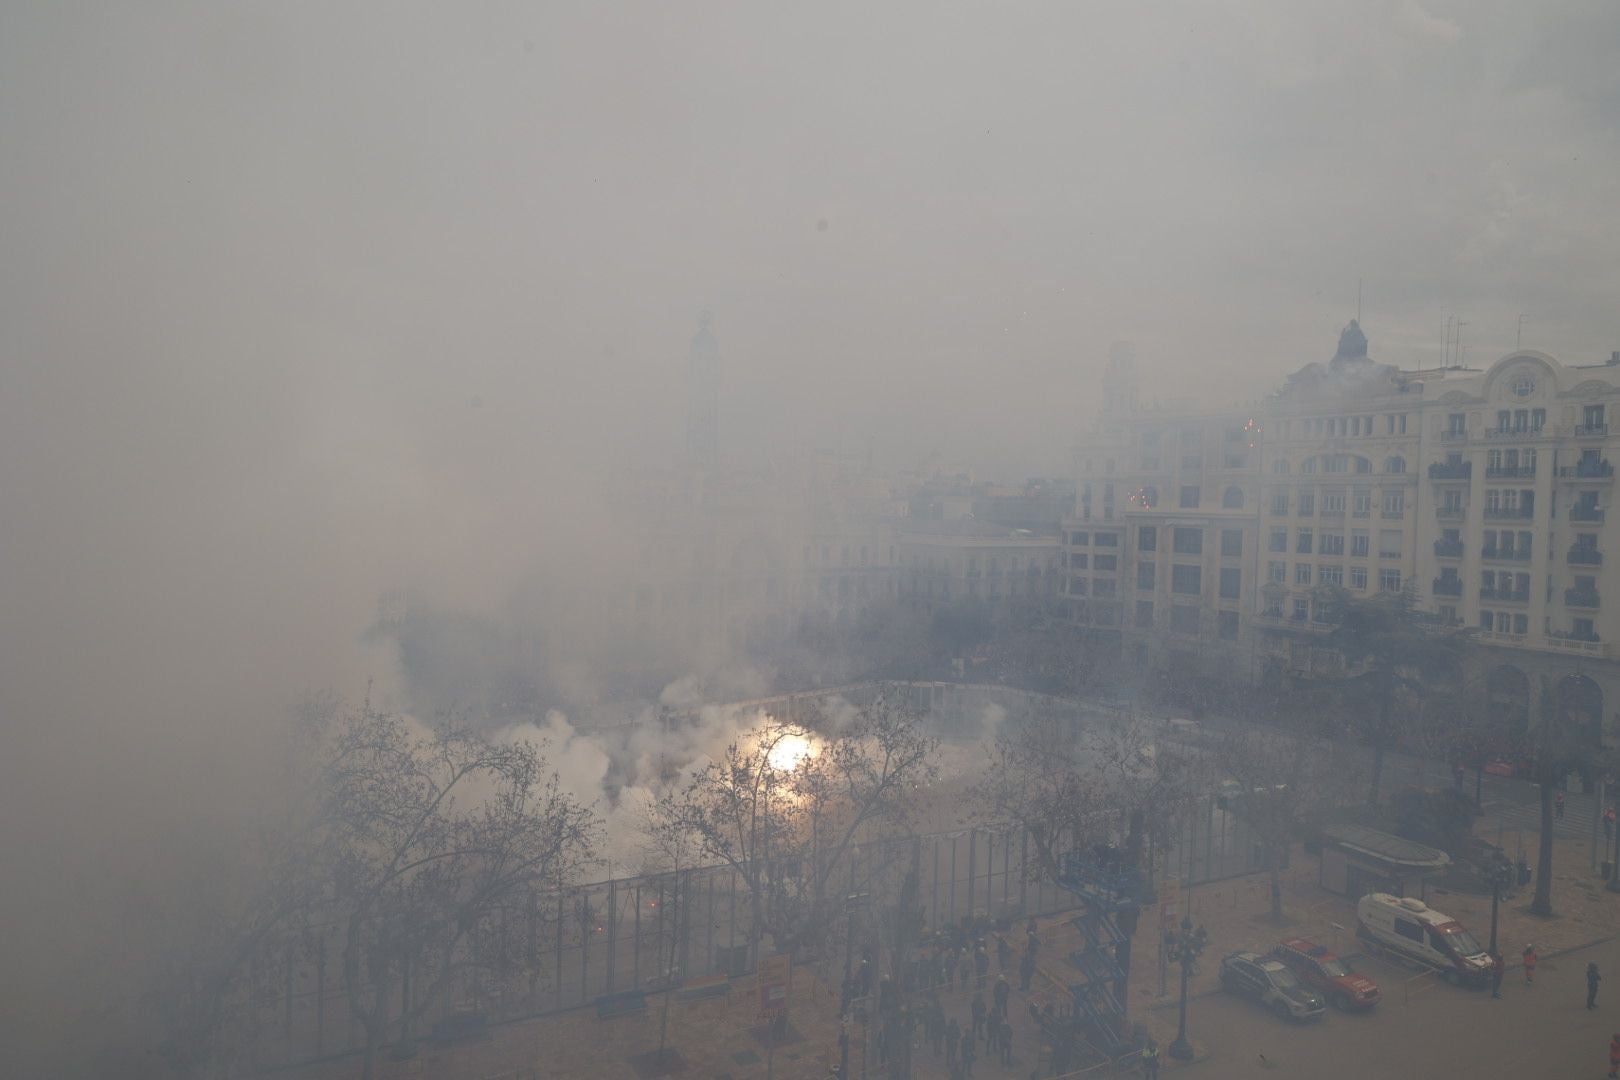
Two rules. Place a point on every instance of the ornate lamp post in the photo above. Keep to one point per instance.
(1501, 875)
(1186, 951)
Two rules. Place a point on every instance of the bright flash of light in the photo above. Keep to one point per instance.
(788, 752)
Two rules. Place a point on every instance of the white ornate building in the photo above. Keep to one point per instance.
(1199, 538)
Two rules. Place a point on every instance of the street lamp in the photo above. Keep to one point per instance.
(1186, 951)
(1501, 873)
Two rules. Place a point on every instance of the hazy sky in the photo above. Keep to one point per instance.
(303, 300)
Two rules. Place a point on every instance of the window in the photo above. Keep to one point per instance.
(1079, 561)
(1147, 538)
(1187, 580)
(1103, 587)
(1504, 420)
(1358, 577)
(1145, 497)
(1302, 573)
(1187, 541)
(1232, 498)
(1363, 503)
(1277, 571)
(1487, 621)
(1410, 930)
(1106, 539)
(1279, 540)
(1302, 542)
(1330, 575)
(1279, 504)
(1309, 464)
(1079, 539)
(1189, 498)
(1456, 423)
(1231, 542)
(1394, 503)
(1077, 586)
(1144, 613)
(1273, 608)
(1592, 416)
(1389, 543)
(1332, 543)
(1307, 504)
(1358, 543)
(1227, 622)
(1280, 466)
(1389, 580)
(1231, 583)
(1302, 609)
(1106, 562)
(1184, 619)
(1395, 464)
(1400, 423)
(1144, 575)
(1333, 502)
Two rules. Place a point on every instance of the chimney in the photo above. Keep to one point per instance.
(1614, 358)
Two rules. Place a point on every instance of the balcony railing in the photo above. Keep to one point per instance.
(1595, 470)
(1361, 513)
(1448, 586)
(1453, 436)
(1509, 472)
(1505, 596)
(1448, 549)
(1506, 554)
(1442, 470)
(1392, 515)
(1586, 431)
(1510, 513)
(1571, 643)
(1585, 556)
(1585, 513)
(1580, 598)
(1513, 433)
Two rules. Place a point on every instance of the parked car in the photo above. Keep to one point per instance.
(1507, 767)
(1408, 928)
(1345, 989)
(1269, 982)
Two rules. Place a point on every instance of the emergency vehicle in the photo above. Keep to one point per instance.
(1411, 930)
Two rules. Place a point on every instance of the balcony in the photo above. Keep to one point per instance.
(1451, 513)
(1511, 513)
(1591, 472)
(1585, 556)
(1505, 596)
(1591, 431)
(1448, 586)
(1441, 470)
(1513, 433)
(1361, 513)
(1510, 472)
(1566, 642)
(1392, 515)
(1586, 513)
(1453, 436)
(1448, 549)
(1506, 554)
(1581, 598)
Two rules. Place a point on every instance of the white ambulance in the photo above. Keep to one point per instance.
(1411, 930)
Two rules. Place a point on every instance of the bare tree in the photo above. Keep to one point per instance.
(420, 836)
(1556, 746)
(1277, 783)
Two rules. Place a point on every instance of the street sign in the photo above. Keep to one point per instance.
(773, 984)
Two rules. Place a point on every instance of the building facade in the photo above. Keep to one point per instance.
(1484, 492)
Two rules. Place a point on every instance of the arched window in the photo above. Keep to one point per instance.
(1395, 464)
(1308, 465)
(1232, 498)
(1280, 466)
(1363, 465)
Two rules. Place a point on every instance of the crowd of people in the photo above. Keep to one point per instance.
(960, 1015)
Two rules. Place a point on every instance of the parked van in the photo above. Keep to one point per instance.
(1410, 929)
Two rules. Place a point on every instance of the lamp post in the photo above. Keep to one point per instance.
(1501, 872)
(1185, 951)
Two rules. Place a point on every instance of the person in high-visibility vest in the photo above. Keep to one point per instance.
(1150, 1061)
(1529, 965)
